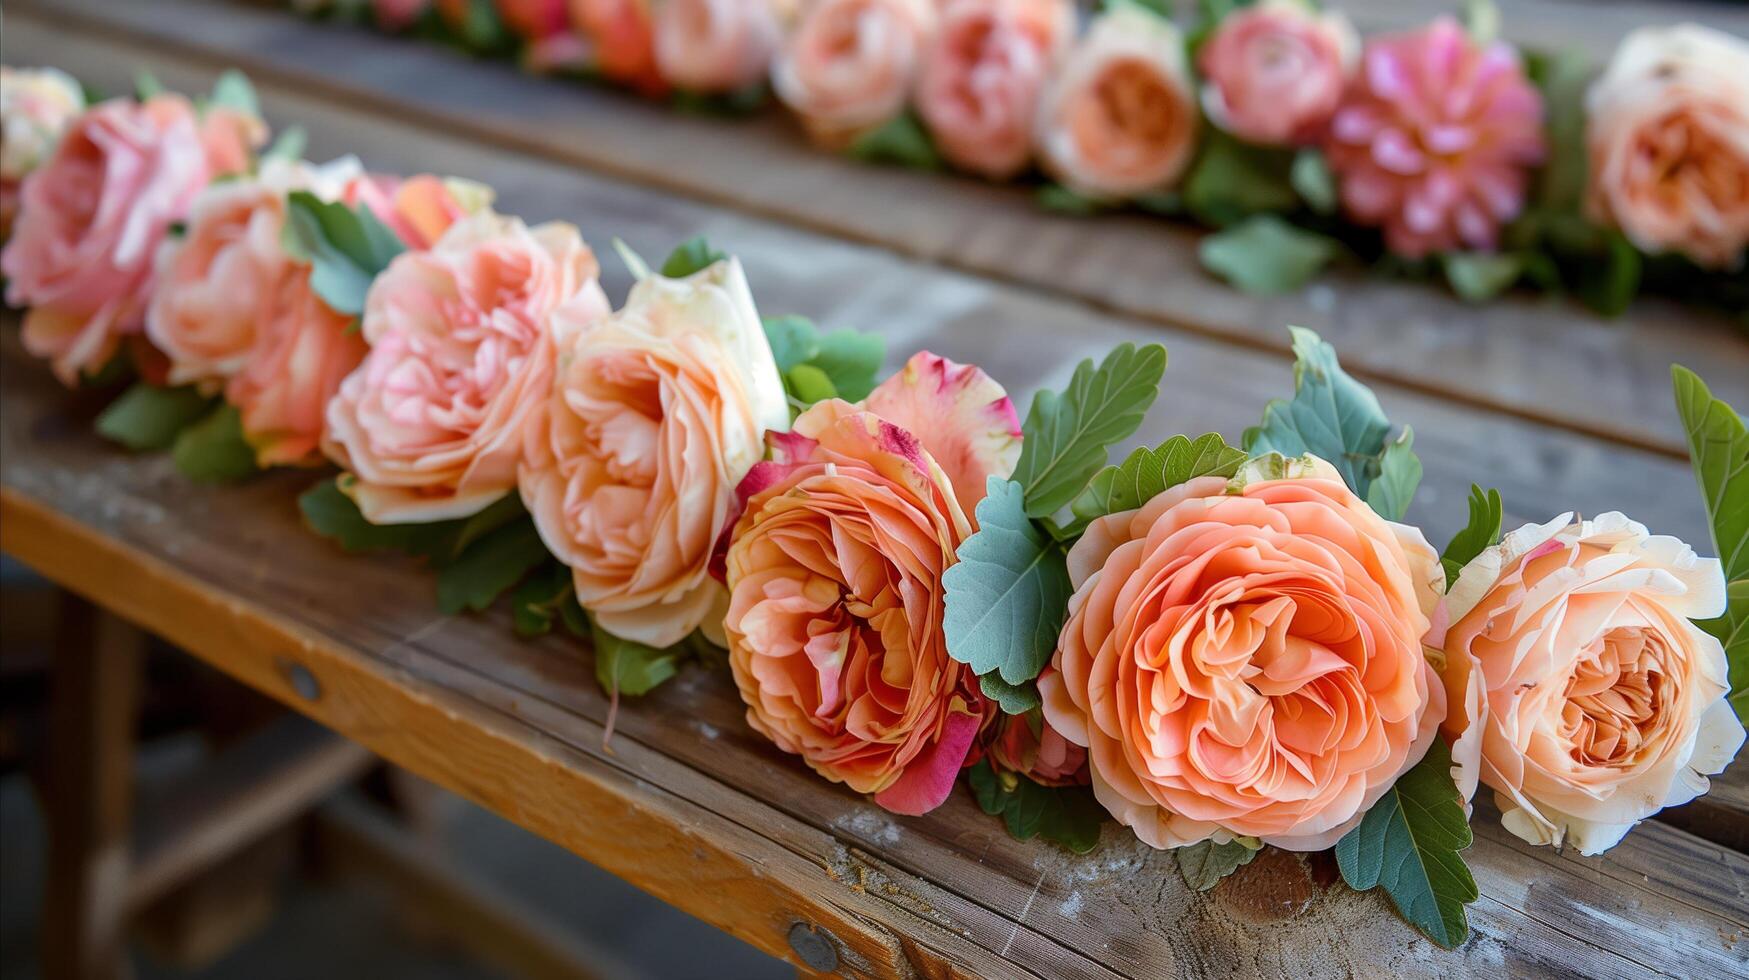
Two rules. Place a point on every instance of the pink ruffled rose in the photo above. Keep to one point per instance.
(658, 411)
(1118, 118)
(435, 422)
(979, 85)
(1575, 670)
(621, 39)
(93, 216)
(1244, 658)
(1027, 746)
(36, 106)
(302, 352)
(1667, 129)
(1274, 72)
(716, 45)
(848, 66)
(1435, 140)
(834, 575)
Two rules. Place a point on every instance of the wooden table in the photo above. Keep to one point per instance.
(687, 802)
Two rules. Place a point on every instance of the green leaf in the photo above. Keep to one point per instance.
(1266, 255)
(1331, 416)
(851, 359)
(1609, 283)
(1408, 844)
(1231, 181)
(1399, 474)
(808, 384)
(693, 255)
(147, 418)
(1056, 197)
(1146, 473)
(1067, 815)
(332, 514)
(485, 569)
(1066, 433)
(1563, 78)
(289, 146)
(1008, 594)
(1718, 447)
(903, 141)
(1478, 276)
(625, 667)
(1202, 865)
(793, 339)
(146, 85)
(213, 450)
(490, 518)
(346, 248)
(233, 91)
(1480, 534)
(1482, 21)
(534, 606)
(1313, 182)
(1014, 698)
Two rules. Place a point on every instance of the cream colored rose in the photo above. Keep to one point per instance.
(36, 106)
(1667, 129)
(1572, 661)
(657, 412)
(716, 45)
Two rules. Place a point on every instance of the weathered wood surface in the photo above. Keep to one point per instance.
(1540, 360)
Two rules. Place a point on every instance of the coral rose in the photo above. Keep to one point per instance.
(657, 413)
(1026, 745)
(834, 574)
(1572, 662)
(1274, 71)
(1435, 140)
(715, 45)
(1667, 128)
(398, 15)
(301, 353)
(620, 37)
(979, 85)
(1248, 662)
(435, 422)
(36, 106)
(93, 216)
(1118, 118)
(848, 66)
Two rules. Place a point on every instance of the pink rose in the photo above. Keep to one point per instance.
(533, 20)
(619, 33)
(657, 413)
(36, 106)
(1274, 72)
(435, 421)
(715, 45)
(1118, 119)
(848, 66)
(1435, 140)
(420, 208)
(93, 216)
(1667, 128)
(979, 85)
(398, 15)
(1026, 745)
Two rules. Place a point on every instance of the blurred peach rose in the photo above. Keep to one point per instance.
(436, 420)
(1573, 663)
(715, 45)
(36, 106)
(657, 413)
(93, 216)
(1274, 71)
(979, 85)
(848, 66)
(1248, 663)
(834, 575)
(1667, 128)
(1118, 118)
(533, 20)
(1026, 745)
(420, 208)
(619, 35)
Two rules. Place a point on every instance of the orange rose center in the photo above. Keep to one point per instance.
(1684, 164)
(1615, 697)
(1134, 106)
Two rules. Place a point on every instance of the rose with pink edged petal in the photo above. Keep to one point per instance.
(716, 46)
(658, 411)
(1026, 745)
(1274, 71)
(435, 422)
(847, 67)
(834, 575)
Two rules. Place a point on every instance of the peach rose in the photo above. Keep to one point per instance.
(715, 45)
(435, 421)
(657, 413)
(1274, 72)
(1244, 659)
(834, 575)
(93, 216)
(848, 66)
(619, 34)
(1118, 118)
(1667, 129)
(1026, 745)
(978, 87)
(1573, 663)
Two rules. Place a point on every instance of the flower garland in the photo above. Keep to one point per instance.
(1221, 647)
(1436, 152)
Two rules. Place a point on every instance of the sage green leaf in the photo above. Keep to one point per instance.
(288, 145)
(1266, 255)
(1056, 197)
(146, 85)
(1408, 844)
(1008, 594)
(1718, 447)
(1148, 472)
(332, 514)
(903, 141)
(851, 359)
(213, 450)
(1066, 815)
(1231, 181)
(808, 384)
(1202, 865)
(233, 91)
(1480, 534)
(491, 565)
(1332, 416)
(1313, 182)
(1013, 698)
(693, 255)
(793, 339)
(1066, 433)
(626, 667)
(1399, 474)
(346, 248)
(1478, 276)
(146, 417)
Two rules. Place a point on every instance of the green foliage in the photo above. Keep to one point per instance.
(1067, 815)
(1408, 844)
(1014, 699)
(902, 141)
(693, 255)
(213, 450)
(1056, 197)
(1480, 534)
(815, 366)
(850, 359)
(1562, 78)
(345, 247)
(288, 146)
(1479, 276)
(1266, 255)
(1231, 181)
(1007, 595)
(1719, 449)
(1148, 472)
(1202, 865)
(1313, 182)
(233, 91)
(625, 667)
(1399, 474)
(1066, 433)
(547, 598)
(146, 85)
(493, 563)
(147, 418)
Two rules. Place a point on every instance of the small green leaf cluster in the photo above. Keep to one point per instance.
(204, 435)
(345, 247)
(1066, 815)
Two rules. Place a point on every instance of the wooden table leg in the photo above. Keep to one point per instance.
(94, 700)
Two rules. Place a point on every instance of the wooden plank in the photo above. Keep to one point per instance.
(1542, 361)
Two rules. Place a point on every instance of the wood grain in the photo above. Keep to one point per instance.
(1538, 360)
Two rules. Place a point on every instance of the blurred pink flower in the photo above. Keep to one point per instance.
(1275, 71)
(398, 15)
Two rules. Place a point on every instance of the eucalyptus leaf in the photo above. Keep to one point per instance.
(1066, 433)
(148, 417)
(1014, 699)
(793, 339)
(1398, 476)
(1331, 416)
(1266, 255)
(1007, 595)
